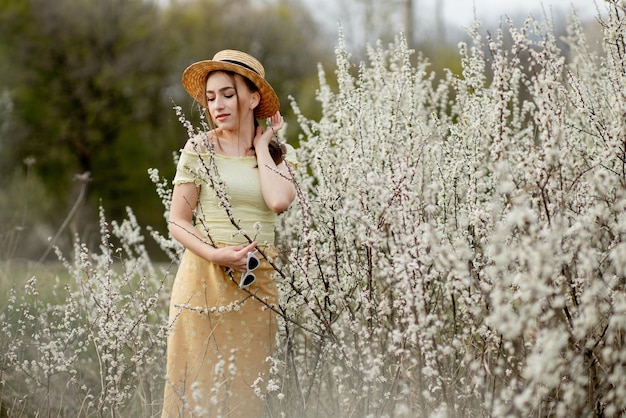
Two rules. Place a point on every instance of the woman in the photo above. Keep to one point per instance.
(230, 184)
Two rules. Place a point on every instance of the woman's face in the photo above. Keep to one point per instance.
(229, 100)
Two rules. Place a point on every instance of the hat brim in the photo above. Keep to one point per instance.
(195, 76)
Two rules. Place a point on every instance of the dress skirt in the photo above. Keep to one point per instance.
(220, 340)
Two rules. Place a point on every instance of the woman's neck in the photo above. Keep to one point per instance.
(235, 143)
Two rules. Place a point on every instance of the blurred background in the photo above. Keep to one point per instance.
(87, 89)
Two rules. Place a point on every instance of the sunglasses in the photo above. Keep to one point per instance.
(248, 277)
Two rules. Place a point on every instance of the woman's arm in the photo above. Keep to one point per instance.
(184, 200)
(276, 183)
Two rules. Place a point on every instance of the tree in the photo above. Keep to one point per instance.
(89, 71)
(86, 79)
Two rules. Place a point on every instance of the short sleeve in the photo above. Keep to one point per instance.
(188, 168)
(290, 155)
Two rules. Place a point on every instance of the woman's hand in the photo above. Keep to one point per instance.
(234, 256)
(180, 224)
(275, 123)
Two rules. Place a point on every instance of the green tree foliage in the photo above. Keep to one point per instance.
(88, 72)
(85, 77)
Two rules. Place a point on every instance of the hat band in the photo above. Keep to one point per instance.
(241, 64)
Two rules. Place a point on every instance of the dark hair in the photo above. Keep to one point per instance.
(277, 149)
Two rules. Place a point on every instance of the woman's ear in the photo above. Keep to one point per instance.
(255, 99)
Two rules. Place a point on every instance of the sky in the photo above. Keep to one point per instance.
(459, 12)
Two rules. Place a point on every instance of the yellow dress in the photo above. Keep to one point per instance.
(221, 336)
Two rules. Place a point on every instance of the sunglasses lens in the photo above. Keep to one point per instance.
(247, 280)
(253, 262)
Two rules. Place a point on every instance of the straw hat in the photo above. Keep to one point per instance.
(194, 79)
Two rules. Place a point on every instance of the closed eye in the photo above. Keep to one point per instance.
(227, 96)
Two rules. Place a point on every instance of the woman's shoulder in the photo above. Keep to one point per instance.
(200, 143)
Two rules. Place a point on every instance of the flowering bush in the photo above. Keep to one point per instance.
(457, 249)
(93, 345)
